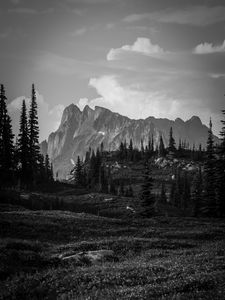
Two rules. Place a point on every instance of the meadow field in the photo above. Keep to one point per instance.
(157, 258)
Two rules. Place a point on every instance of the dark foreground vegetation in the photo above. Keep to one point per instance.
(157, 258)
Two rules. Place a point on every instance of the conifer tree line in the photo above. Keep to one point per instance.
(94, 174)
(201, 192)
(21, 164)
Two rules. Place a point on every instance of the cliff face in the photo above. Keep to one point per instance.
(80, 130)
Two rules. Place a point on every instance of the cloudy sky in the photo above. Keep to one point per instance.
(136, 57)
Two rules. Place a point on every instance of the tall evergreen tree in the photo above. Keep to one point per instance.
(146, 196)
(161, 147)
(196, 192)
(209, 204)
(186, 193)
(163, 198)
(142, 148)
(103, 180)
(23, 147)
(48, 169)
(220, 173)
(171, 146)
(78, 173)
(6, 142)
(130, 150)
(33, 130)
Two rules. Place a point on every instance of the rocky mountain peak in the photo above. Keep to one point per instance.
(80, 130)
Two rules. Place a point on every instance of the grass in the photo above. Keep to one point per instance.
(159, 258)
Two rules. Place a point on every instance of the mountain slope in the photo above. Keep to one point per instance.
(80, 130)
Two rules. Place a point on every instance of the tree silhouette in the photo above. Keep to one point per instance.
(196, 192)
(6, 142)
(33, 130)
(220, 173)
(23, 147)
(161, 147)
(146, 196)
(171, 146)
(209, 204)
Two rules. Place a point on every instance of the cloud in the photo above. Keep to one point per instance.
(49, 118)
(110, 25)
(30, 11)
(193, 15)
(23, 10)
(132, 101)
(207, 48)
(5, 34)
(217, 76)
(90, 1)
(138, 101)
(15, 2)
(141, 45)
(82, 103)
(79, 32)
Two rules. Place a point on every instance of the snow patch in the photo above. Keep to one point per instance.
(101, 132)
(72, 161)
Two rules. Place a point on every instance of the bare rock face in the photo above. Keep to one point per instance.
(90, 257)
(80, 130)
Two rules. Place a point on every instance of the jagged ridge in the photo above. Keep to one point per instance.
(80, 130)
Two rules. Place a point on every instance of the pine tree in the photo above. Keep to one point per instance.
(220, 173)
(23, 148)
(209, 204)
(121, 151)
(178, 188)
(7, 166)
(163, 198)
(142, 148)
(161, 147)
(33, 130)
(131, 193)
(121, 189)
(112, 187)
(186, 194)
(97, 170)
(48, 169)
(78, 173)
(171, 146)
(146, 196)
(130, 151)
(196, 192)
(103, 180)
(42, 174)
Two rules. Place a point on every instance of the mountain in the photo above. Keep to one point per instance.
(80, 130)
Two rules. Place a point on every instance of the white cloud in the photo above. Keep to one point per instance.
(207, 48)
(30, 11)
(49, 118)
(131, 101)
(193, 15)
(142, 45)
(217, 76)
(137, 102)
(110, 26)
(89, 1)
(82, 103)
(79, 32)
(15, 1)
(5, 34)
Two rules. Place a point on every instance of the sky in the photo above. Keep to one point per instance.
(139, 58)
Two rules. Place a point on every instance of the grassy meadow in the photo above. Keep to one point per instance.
(158, 258)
